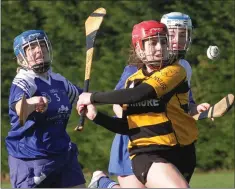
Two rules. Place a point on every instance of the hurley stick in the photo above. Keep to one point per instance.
(217, 110)
(92, 25)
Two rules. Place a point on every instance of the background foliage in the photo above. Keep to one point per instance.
(64, 23)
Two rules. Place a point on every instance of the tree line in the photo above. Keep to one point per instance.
(64, 22)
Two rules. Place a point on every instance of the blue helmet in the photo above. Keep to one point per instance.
(179, 20)
(24, 40)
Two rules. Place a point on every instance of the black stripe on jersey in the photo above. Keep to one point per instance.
(182, 88)
(150, 148)
(136, 82)
(146, 106)
(185, 107)
(151, 131)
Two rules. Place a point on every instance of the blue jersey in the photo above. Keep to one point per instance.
(188, 70)
(43, 134)
(128, 71)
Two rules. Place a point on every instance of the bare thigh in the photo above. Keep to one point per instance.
(165, 175)
(129, 181)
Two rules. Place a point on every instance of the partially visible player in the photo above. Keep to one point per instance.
(41, 153)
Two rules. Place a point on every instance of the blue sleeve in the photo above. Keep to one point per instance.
(73, 92)
(191, 100)
(16, 93)
(128, 71)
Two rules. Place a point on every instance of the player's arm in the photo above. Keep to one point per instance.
(159, 84)
(116, 125)
(125, 96)
(36, 103)
(192, 104)
(20, 88)
(72, 90)
(197, 108)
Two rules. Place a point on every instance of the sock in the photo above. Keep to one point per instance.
(106, 182)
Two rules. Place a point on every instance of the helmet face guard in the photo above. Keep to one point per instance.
(179, 26)
(28, 41)
(150, 41)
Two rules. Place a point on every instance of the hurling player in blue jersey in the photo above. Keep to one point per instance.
(41, 153)
(180, 29)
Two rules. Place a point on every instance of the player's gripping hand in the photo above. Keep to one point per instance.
(41, 103)
(90, 111)
(84, 99)
(25, 107)
(203, 107)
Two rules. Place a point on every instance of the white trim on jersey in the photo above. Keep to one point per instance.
(73, 94)
(25, 80)
(19, 82)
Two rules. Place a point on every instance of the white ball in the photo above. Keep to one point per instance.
(213, 52)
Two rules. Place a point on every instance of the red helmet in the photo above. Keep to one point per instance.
(147, 29)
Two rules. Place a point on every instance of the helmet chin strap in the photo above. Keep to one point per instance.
(179, 54)
(41, 68)
(155, 65)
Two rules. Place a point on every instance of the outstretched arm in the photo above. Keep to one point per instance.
(123, 96)
(116, 125)
(195, 109)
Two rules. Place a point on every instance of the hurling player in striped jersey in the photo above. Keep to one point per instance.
(155, 111)
(180, 31)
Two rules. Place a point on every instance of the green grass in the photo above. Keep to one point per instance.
(213, 180)
(199, 180)
(5, 185)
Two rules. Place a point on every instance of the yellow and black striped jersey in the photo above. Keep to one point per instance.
(162, 122)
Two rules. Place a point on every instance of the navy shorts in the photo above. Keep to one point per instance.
(52, 172)
(120, 163)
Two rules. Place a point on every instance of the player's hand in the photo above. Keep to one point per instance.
(40, 102)
(90, 111)
(203, 107)
(84, 99)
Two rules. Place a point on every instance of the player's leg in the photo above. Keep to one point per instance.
(36, 173)
(129, 181)
(101, 180)
(79, 186)
(120, 163)
(165, 175)
(71, 174)
(188, 161)
(158, 170)
(21, 173)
